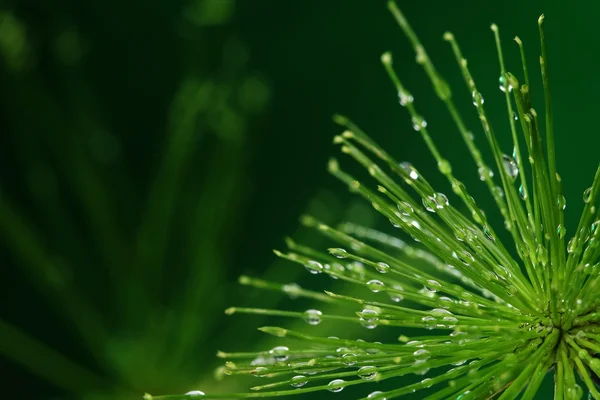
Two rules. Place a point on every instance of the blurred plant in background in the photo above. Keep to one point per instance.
(127, 236)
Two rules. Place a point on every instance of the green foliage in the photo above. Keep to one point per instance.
(502, 313)
(130, 262)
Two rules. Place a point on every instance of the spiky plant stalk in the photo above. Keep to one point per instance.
(499, 323)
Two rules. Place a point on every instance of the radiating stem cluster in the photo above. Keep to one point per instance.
(501, 315)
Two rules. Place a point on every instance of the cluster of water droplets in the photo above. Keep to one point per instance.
(435, 202)
(366, 373)
(485, 172)
(404, 98)
(418, 123)
(439, 318)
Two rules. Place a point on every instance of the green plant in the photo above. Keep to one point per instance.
(499, 322)
(80, 210)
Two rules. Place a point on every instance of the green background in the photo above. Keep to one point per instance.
(87, 110)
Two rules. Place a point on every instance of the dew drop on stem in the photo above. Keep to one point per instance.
(367, 372)
(299, 381)
(336, 385)
(510, 166)
(313, 317)
(503, 84)
(279, 353)
(195, 393)
(587, 194)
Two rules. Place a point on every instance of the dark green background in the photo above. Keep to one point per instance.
(317, 58)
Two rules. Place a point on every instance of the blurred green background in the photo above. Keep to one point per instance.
(153, 151)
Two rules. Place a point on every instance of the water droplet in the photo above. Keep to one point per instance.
(504, 86)
(488, 233)
(561, 231)
(421, 354)
(444, 166)
(404, 98)
(373, 350)
(561, 202)
(463, 256)
(292, 290)
(427, 292)
(515, 116)
(510, 166)
(447, 301)
(193, 393)
(377, 395)
(477, 98)
(522, 192)
(429, 322)
(441, 200)
(409, 169)
(367, 372)
(429, 203)
(587, 194)
(542, 254)
(440, 312)
(313, 317)
(449, 321)
(405, 208)
(427, 382)
(420, 370)
(314, 267)
(260, 371)
(382, 267)
(369, 318)
(279, 353)
(433, 285)
(394, 224)
(514, 154)
(578, 392)
(336, 385)
(571, 245)
(485, 173)
(498, 191)
(418, 123)
(421, 56)
(375, 285)
(594, 226)
(299, 381)
(396, 297)
(339, 253)
(349, 359)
